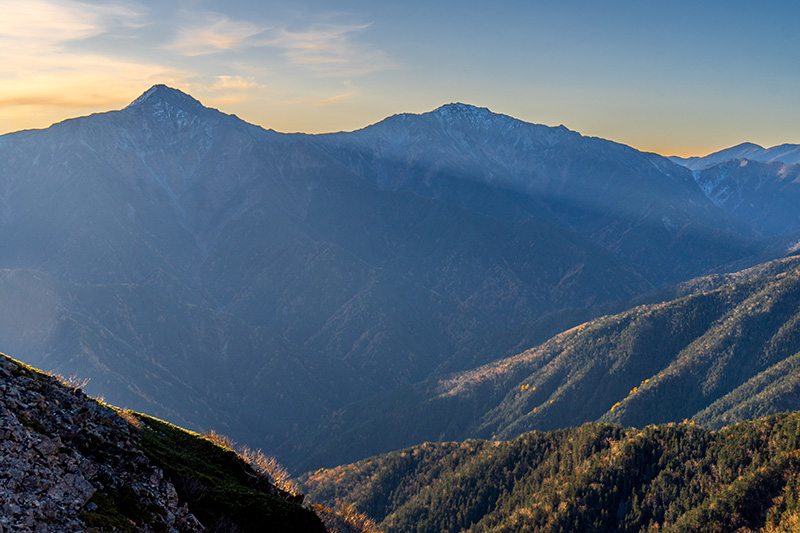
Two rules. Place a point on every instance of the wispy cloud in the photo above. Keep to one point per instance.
(322, 101)
(336, 99)
(237, 83)
(89, 81)
(44, 76)
(37, 66)
(324, 49)
(227, 90)
(215, 33)
(62, 58)
(331, 50)
(57, 21)
(35, 37)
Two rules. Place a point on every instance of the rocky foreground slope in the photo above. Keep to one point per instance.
(71, 463)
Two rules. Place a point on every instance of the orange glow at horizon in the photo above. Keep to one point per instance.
(40, 109)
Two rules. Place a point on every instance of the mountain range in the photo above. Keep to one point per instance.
(273, 285)
(763, 194)
(788, 154)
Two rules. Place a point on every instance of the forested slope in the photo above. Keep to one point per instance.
(598, 477)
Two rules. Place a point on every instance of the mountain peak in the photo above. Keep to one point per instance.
(171, 106)
(458, 112)
(461, 115)
(160, 94)
(748, 145)
(788, 154)
(459, 109)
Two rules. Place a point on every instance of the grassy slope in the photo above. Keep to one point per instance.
(221, 489)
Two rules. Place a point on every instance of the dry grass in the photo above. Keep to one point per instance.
(219, 439)
(263, 464)
(345, 519)
(72, 382)
(268, 466)
(129, 417)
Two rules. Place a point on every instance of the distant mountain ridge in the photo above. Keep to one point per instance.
(717, 351)
(223, 275)
(764, 195)
(788, 154)
(503, 167)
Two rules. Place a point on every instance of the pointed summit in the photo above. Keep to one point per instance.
(161, 94)
(167, 105)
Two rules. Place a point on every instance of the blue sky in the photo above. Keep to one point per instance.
(674, 77)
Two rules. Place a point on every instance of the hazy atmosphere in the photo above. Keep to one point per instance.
(678, 78)
(393, 267)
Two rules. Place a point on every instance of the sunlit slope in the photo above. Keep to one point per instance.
(598, 477)
(658, 363)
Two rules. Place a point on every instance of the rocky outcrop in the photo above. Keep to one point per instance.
(68, 463)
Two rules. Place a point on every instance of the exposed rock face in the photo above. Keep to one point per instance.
(62, 454)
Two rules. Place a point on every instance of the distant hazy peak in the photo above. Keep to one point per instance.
(458, 116)
(160, 93)
(748, 145)
(742, 149)
(458, 113)
(450, 114)
(788, 154)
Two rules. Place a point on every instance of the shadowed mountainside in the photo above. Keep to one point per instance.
(763, 195)
(207, 270)
(721, 349)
